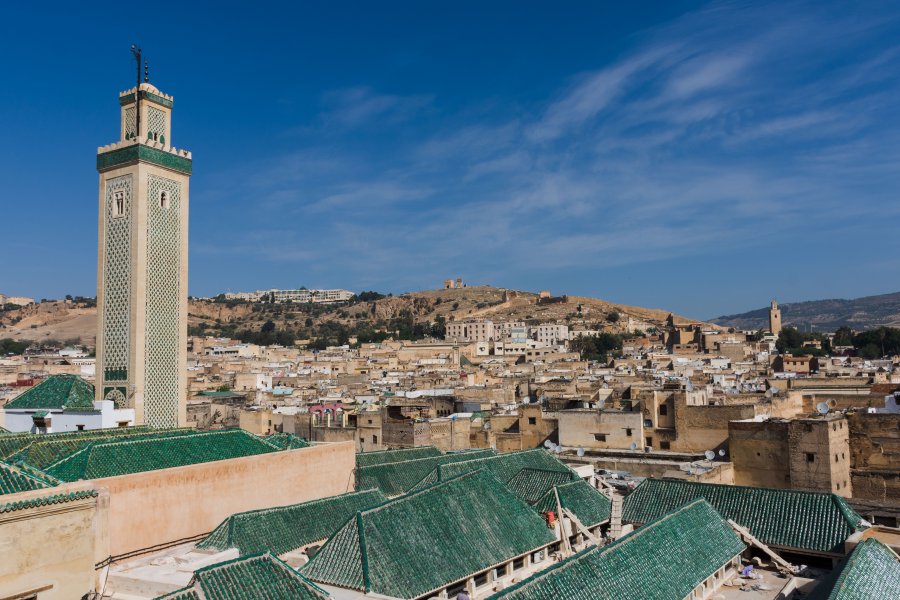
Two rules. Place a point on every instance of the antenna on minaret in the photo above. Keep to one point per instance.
(136, 52)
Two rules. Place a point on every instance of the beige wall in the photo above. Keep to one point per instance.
(875, 455)
(578, 428)
(759, 451)
(827, 443)
(53, 547)
(161, 506)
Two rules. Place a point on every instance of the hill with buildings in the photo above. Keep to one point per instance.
(63, 321)
(825, 315)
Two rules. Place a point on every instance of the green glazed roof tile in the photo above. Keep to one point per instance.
(532, 484)
(663, 560)
(589, 505)
(120, 457)
(286, 441)
(257, 577)
(285, 528)
(381, 457)
(418, 543)
(816, 521)
(394, 478)
(870, 572)
(13, 443)
(13, 480)
(57, 392)
(47, 500)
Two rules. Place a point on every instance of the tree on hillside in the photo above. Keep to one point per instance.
(10, 346)
(843, 336)
(613, 317)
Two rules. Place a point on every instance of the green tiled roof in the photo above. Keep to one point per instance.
(16, 442)
(423, 541)
(532, 484)
(590, 506)
(816, 521)
(662, 560)
(370, 459)
(59, 392)
(507, 465)
(286, 441)
(285, 528)
(45, 500)
(111, 458)
(400, 477)
(13, 480)
(257, 577)
(870, 572)
(46, 450)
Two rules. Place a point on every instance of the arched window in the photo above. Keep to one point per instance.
(164, 199)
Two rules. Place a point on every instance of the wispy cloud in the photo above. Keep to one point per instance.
(735, 127)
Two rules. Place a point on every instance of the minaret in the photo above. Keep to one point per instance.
(774, 318)
(142, 263)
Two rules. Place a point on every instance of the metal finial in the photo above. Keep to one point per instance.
(146, 72)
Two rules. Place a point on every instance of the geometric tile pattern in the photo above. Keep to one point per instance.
(117, 280)
(130, 125)
(156, 123)
(163, 295)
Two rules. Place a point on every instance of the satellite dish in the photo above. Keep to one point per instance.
(722, 452)
(709, 454)
(580, 452)
(557, 449)
(822, 408)
(548, 444)
(633, 445)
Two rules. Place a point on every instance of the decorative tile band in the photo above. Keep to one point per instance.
(145, 95)
(137, 152)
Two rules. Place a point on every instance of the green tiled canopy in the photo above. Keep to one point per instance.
(13, 480)
(662, 560)
(381, 457)
(816, 521)
(590, 506)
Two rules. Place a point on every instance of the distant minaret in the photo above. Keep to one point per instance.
(774, 318)
(142, 263)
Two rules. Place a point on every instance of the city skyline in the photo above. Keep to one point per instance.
(630, 157)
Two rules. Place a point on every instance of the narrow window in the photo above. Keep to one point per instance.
(80, 427)
(628, 431)
(663, 410)
(119, 204)
(600, 437)
(810, 457)
(164, 199)
(532, 420)
(374, 439)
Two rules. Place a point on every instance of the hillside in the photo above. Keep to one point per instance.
(66, 321)
(825, 315)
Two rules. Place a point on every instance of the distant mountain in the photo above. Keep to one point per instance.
(824, 315)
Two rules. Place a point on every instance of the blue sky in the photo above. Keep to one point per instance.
(698, 157)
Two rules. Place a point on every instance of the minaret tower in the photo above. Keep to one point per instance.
(774, 318)
(142, 262)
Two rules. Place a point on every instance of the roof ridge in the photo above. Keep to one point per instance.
(262, 511)
(425, 489)
(740, 487)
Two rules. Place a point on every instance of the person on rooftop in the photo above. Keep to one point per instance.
(463, 595)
